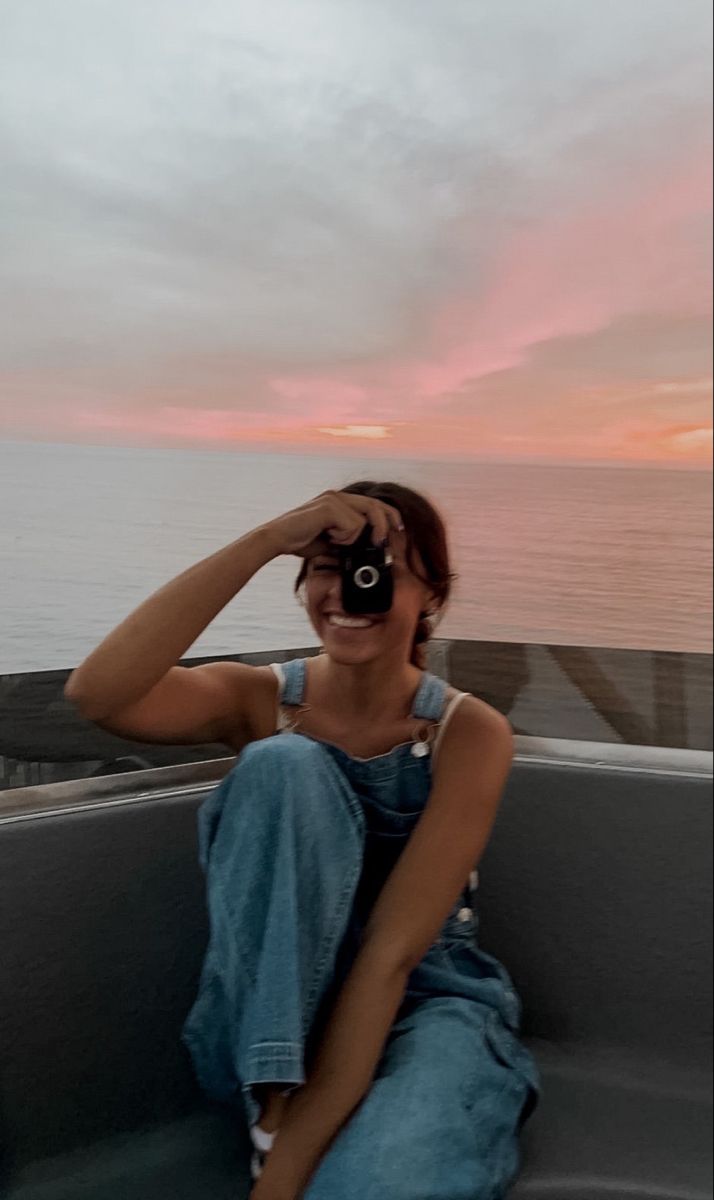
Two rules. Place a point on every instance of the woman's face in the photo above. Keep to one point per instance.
(349, 639)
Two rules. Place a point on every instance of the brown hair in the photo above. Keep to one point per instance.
(426, 535)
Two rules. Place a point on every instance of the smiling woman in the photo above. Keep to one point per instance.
(339, 853)
(349, 827)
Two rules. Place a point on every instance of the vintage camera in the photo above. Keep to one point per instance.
(367, 580)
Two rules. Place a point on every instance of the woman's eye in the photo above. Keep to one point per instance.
(324, 567)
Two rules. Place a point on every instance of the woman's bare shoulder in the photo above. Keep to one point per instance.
(475, 711)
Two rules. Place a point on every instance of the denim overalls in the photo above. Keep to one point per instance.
(296, 843)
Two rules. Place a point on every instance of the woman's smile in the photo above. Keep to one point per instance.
(350, 624)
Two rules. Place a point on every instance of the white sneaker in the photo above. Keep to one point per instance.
(263, 1143)
(257, 1163)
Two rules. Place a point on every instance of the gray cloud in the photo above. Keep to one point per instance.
(291, 183)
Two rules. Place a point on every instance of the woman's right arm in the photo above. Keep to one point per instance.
(130, 684)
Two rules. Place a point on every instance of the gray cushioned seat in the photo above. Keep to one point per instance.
(595, 892)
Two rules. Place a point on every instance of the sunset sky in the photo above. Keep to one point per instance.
(464, 228)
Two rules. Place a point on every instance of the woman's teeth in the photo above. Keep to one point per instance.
(349, 622)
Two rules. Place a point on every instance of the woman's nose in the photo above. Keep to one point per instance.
(335, 590)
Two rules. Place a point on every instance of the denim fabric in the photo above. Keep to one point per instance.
(296, 843)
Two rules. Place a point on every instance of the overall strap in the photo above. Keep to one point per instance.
(291, 679)
(295, 677)
(429, 700)
(430, 705)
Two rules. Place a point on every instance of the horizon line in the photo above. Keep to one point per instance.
(286, 449)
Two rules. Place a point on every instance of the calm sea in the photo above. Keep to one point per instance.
(576, 555)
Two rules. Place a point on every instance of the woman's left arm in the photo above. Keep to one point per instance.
(344, 1067)
(473, 765)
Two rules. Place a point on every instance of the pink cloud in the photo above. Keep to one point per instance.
(573, 273)
(569, 275)
(324, 398)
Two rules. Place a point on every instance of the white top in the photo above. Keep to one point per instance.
(284, 722)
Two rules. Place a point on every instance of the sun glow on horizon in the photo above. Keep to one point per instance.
(370, 432)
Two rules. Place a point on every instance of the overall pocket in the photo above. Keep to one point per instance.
(386, 821)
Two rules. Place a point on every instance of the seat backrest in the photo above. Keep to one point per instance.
(595, 892)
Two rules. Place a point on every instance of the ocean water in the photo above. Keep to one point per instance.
(561, 554)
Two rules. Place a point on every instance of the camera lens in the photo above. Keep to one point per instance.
(366, 577)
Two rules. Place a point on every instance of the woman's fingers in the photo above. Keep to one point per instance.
(383, 518)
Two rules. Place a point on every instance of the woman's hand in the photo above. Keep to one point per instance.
(333, 517)
(267, 1192)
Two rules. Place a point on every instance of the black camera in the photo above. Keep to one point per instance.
(367, 580)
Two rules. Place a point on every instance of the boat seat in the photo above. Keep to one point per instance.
(595, 891)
